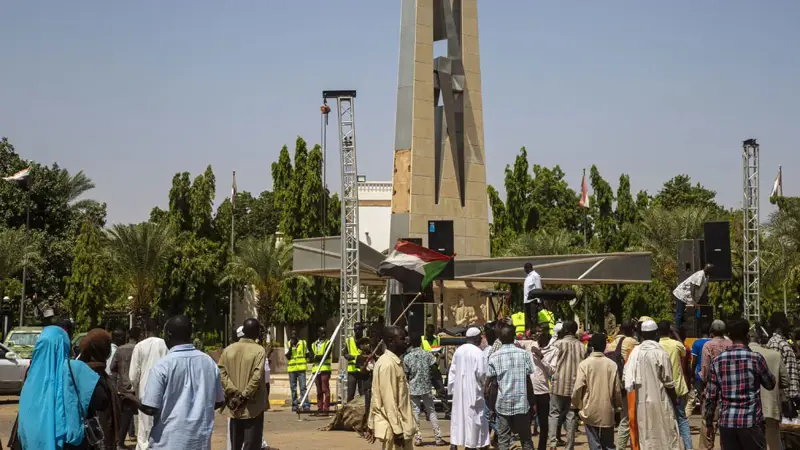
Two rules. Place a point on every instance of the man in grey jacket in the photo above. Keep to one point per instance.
(770, 400)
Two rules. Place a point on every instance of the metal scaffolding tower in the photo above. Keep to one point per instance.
(751, 264)
(350, 302)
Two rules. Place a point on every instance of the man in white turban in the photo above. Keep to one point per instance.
(468, 426)
(648, 374)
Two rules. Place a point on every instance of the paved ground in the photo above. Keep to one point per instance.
(282, 430)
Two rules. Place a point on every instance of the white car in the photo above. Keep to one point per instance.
(12, 371)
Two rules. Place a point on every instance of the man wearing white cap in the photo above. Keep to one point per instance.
(468, 426)
(648, 374)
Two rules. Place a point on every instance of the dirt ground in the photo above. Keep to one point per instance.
(283, 431)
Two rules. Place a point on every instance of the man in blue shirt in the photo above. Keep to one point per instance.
(511, 367)
(182, 392)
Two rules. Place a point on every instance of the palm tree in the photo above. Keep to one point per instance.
(74, 187)
(140, 253)
(15, 254)
(262, 264)
(542, 242)
(660, 230)
(783, 242)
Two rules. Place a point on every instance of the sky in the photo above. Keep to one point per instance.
(133, 92)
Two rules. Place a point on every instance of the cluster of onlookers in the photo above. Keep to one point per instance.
(636, 389)
(171, 387)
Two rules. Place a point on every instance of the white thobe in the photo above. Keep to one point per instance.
(649, 373)
(145, 355)
(468, 425)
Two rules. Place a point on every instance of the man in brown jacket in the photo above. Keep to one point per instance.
(241, 368)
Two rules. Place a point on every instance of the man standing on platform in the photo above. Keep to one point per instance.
(241, 368)
(390, 417)
(322, 382)
(532, 281)
(689, 292)
(296, 350)
(469, 426)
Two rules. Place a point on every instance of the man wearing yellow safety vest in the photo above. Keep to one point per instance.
(296, 350)
(518, 320)
(322, 382)
(351, 352)
(546, 318)
(430, 340)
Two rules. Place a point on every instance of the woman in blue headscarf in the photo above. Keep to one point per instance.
(51, 406)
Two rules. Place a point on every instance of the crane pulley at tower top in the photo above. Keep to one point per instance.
(350, 300)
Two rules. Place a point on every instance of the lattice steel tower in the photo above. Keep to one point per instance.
(350, 300)
(751, 264)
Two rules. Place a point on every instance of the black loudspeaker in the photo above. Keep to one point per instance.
(414, 318)
(440, 238)
(691, 257)
(718, 250)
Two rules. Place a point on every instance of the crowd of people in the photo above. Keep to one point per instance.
(172, 387)
(637, 388)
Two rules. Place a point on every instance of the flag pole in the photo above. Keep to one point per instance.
(583, 182)
(25, 261)
(233, 237)
(585, 244)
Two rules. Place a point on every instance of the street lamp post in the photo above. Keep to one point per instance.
(130, 315)
(25, 261)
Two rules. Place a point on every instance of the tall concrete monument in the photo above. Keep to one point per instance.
(439, 164)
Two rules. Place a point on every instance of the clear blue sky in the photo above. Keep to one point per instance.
(132, 92)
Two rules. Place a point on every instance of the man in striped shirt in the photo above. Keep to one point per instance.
(570, 354)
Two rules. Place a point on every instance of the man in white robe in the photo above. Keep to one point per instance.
(648, 373)
(145, 355)
(469, 427)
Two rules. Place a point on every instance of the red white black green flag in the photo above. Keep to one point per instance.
(413, 265)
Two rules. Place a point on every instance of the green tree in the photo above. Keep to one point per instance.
(140, 255)
(14, 255)
(263, 264)
(91, 285)
(58, 207)
(190, 284)
(679, 192)
(625, 214)
(604, 224)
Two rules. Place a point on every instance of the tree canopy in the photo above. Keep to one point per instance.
(180, 260)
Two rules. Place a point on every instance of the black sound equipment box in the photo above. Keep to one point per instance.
(440, 238)
(717, 237)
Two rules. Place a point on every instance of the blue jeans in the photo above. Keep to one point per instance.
(680, 307)
(296, 378)
(488, 415)
(683, 423)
